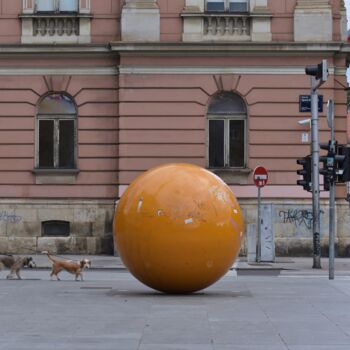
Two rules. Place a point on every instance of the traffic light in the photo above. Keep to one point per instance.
(333, 163)
(319, 71)
(344, 165)
(305, 172)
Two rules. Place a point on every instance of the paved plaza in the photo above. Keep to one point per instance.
(289, 309)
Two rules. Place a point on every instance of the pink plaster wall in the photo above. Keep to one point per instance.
(105, 24)
(163, 117)
(170, 20)
(96, 98)
(282, 23)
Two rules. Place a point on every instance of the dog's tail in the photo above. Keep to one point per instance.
(48, 255)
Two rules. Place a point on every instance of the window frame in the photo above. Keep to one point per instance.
(227, 6)
(56, 142)
(226, 118)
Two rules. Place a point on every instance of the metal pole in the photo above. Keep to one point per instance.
(331, 229)
(258, 255)
(331, 206)
(315, 176)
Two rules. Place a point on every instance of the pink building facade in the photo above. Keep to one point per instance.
(93, 93)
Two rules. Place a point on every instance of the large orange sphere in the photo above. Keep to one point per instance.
(178, 228)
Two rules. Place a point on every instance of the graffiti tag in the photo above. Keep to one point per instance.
(297, 217)
(10, 217)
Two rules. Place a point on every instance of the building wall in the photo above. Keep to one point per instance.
(105, 21)
(183, 86)
(149, 137)
(86, 199)
(144, 102)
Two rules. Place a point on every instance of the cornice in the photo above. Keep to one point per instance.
(225, 48)
(56, 50)
(176, 48)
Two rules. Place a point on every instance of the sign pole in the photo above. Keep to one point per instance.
(330, 120)
(258, 255)
(260, 177)
(315, 176)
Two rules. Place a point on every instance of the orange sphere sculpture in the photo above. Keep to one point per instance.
(178, 228)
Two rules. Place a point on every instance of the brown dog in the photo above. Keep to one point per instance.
(15, 264)
(73, 267)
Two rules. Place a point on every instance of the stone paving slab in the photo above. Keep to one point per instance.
(112, 310)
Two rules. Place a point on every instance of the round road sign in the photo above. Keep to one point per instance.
(260, 176)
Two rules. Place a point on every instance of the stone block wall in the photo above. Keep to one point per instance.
(292, 226)
(90, 226)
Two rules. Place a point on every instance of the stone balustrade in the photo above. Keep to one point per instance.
(229, 27)
(55, 26)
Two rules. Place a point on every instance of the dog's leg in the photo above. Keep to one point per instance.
(54, 273)
(15, 270)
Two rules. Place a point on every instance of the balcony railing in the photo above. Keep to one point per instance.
(218, 27)
(56, 26)
(52, 26)
(229, 27)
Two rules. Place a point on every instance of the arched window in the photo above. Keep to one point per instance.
(227, 115)
(56, 132)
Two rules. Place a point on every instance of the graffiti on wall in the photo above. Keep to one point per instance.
(10, 217)
(297, 217)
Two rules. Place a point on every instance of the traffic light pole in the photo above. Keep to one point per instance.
(331, 229)
(315, 175)
(331, 241)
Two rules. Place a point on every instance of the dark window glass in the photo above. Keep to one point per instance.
(238, 6)
(55, 228)
(66, 144)
(46, 143)
(227, 103)
(216, 6)
(236, 143)
(216, 143)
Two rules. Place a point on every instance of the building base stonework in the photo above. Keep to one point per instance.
(22, 226)
(90, 226)
(292, 226)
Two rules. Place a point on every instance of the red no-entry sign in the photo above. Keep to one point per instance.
(260, 176)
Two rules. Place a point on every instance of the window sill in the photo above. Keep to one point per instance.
(233, 176)
(55, 176)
